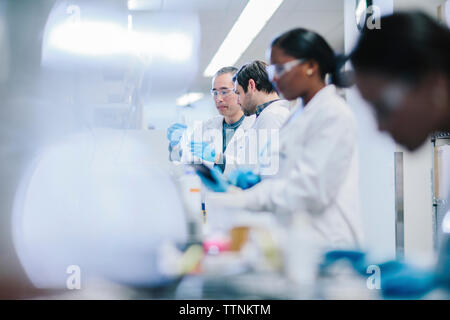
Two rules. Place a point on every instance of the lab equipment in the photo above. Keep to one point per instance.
(203, 209)
(302, 252)
(190, 186)
(100, 205)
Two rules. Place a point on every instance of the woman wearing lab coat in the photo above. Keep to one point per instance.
(317, 178)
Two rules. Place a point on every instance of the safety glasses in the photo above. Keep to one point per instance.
(223, 92)
(278, 70)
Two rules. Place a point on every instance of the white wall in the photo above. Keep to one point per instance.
(418, 206)
(161, 113)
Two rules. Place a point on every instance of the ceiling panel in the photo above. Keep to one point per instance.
(321, 5)
(323, 16)
(216, 20)
(197, 5)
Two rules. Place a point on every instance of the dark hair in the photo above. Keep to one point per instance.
(407, 46)
(255, 70)
(305, 44)
(232, 70)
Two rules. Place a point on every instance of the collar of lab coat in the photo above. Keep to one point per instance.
(261, 107)
(217, 122)
(324, 93)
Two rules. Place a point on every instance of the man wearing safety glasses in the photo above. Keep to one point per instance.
(217, 136)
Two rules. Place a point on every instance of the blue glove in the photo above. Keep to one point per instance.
(243, 178)
(356, 258)
(175, 132)
(397, 279)
(220, 184)
(400, 280)
(204, 150)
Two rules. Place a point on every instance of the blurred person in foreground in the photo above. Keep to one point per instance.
(403, 71)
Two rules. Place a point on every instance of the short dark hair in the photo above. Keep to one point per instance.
(255, 70)
(407, 46)
(231, 70)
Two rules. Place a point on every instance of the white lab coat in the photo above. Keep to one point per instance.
(317, 176)
(265, 127)
(273, 116)
(212, 130)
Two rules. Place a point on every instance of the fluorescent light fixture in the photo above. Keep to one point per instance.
(252, 19)
(88, 38)
(137, 5)
(189, 98)
(99, 38)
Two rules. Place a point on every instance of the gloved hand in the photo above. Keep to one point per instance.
(398, 279)
(175, 132)
(204, 150)
(356, 258)
(401, 280)
(220, 184)
(243, 178)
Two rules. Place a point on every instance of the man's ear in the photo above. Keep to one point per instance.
(251, 85)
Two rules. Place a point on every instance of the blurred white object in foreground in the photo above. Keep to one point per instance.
(100, 201)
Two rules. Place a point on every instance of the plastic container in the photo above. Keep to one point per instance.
(190, 189)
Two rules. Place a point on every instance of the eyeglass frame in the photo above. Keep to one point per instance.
(286, 67)
(223, 92)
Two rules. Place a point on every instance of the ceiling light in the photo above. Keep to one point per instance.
(98, 38)
(189, 98)
(88, 38)
(140, 5)
(251, 21)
